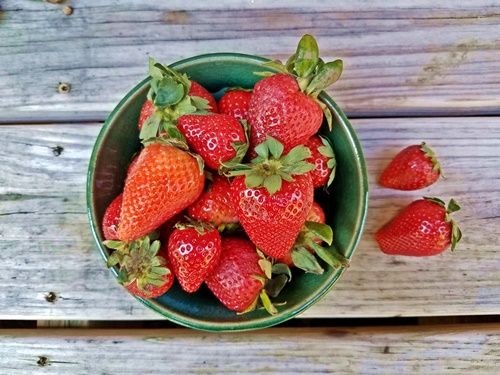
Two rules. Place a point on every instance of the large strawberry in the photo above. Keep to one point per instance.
(170, 96)
(216, 138)
(193, 250)
(323, 158)
(164, 181)
(286, 105)
(143, 266)
(239, 280)
(111, 219)
(423, 228)
(413, 168)
(235, 102)
(214, 205)
(273, 196)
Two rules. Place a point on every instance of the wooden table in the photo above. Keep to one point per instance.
(414, 71)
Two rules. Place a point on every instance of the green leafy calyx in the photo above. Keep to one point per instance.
(428, 152)
(327, 151)
(270, 167)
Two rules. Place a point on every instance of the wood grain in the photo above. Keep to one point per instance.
(401, 57)
(45, 242)
(443, 350)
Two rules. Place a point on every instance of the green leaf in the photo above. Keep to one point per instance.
(262, 150)
(114, 259)
(275, 285)
(456, 235)
(264, 74)
(116, 245)
(266, 267)
(200, 103)
(254, 180)
(304, 260)
(151, 126)
(275, 146)
(453, 206)
(272, 183)
(290, 63)
(266, 302)
(169, 92)
(155, 72)
(326, 76)
(156, 282)
(155, 246)
(276, 65)
(321, 231)
(296, 154)
(122, 277)
(185, 106)
(282, 269)
(300, 167)
(327, 113)
(306, 56)
(326, 149)
(330, 255)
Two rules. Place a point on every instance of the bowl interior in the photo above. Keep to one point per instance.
(345, 205)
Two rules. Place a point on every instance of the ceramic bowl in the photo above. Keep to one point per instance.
(345, 205)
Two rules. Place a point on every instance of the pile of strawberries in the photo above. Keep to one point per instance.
(222, 193)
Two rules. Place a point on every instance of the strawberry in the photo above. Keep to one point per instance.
(323, 159)
(316, 214)
(165, 181)
(286, 105)
(112, 218)
(216, 138)
(132, 165)
(193, 250)
(144, 268)
(170, 96)
(423, 228)
(198, 90)
(238, 280)
(235, 103)
(215, 206)
(273, 196)
(413, 168)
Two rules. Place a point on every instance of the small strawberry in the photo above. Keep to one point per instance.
(413, 168)
(199, 91)
(238, 280)
(323, 159)
(286, 105)
(235, 103)
(215, 206)
(165, 181)
(216, 138)
(143, 265)
(316, 214)
(273, 196)
(112, 218)
(423, 228)
(170, 96)
(193, 250)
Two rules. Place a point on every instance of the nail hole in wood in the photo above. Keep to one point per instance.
(63, 87)
(57, 150)
(386, 349)
(51, 297)
(42, 361)
(67, 10)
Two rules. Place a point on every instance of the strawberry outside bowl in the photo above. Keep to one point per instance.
(345, 205)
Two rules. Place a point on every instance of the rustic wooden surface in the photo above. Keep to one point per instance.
(45, 243)
(401, 57)
(443, 350)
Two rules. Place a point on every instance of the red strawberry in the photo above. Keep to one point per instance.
(144, 268)
(238, 280)
(198, 90)
(148, 108)
(422, 228)
(132, 164)
(413, 168)
(316, 214)
(215, 206)
(286, 106)
(216, 138)
(323, 159)
(194, 252)
(112, 218)
(164, 182)
(272, 206)
(235, 103)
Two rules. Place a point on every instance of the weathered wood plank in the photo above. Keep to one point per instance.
(46, 244)
(401, 57)
(472, 349)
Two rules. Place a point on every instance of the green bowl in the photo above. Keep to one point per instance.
(345, 206)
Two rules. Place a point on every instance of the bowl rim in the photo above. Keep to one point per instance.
(262, 322)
